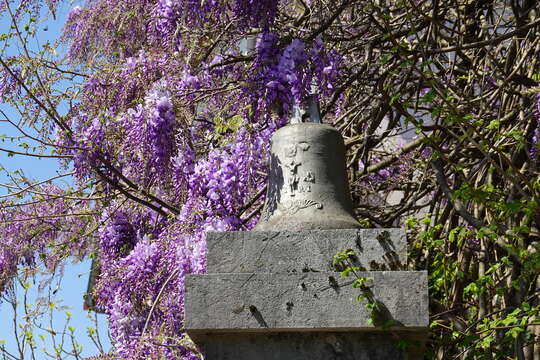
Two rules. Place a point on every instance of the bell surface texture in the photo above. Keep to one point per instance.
(307, 182)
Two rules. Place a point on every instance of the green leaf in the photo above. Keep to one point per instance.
(410, 223)
(361, 282)
(494, 125)
(394, 98)
(514, 332)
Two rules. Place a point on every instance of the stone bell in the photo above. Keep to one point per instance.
(307, 183)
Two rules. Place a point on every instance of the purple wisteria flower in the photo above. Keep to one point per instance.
(117, 237)
(9, 86)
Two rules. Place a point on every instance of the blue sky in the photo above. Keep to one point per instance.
(74, 282)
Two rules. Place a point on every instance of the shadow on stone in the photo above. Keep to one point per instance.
(380, 315)
(273, 192)
(383, 318)
(258, 316)
(386, 241)
(392, 259)
(390, 255)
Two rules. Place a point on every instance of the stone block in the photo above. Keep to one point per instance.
(312, 346)
(298, 251)
(314, 301)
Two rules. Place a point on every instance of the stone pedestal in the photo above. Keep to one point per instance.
(275, 295)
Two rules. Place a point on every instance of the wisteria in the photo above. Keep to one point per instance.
(32, 230)
(210, 169)
(163, 111)
(160, 132)
(287, 77)
(8, 83)
(117, 237)
(256, 13)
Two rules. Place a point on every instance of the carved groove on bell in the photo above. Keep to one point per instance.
(307, 183)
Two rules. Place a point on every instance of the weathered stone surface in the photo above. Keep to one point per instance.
(275, 295)
(311, 346)
(303, 302)
(297, 251)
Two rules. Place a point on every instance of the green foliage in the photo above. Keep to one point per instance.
(342, 260)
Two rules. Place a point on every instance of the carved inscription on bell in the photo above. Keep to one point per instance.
(296, 205)
(297, 180)
(293, 177)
